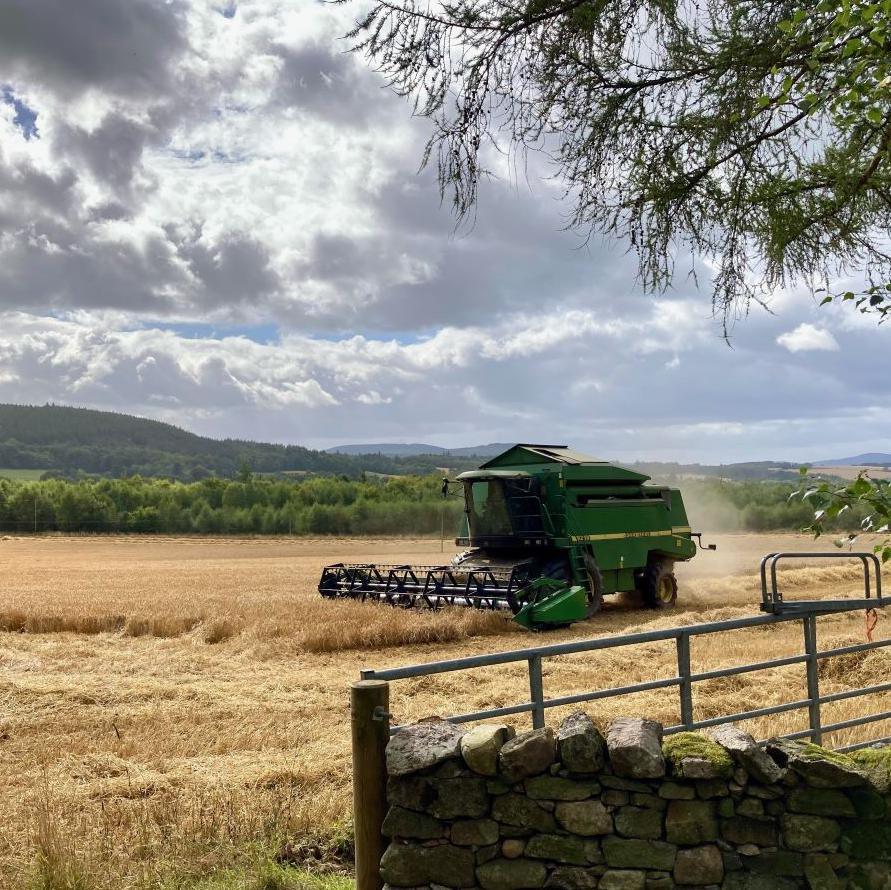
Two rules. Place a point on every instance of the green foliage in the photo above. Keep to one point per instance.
(844, 47)
(865, 497)
(874, 300)
(316, 506)
(755, 135)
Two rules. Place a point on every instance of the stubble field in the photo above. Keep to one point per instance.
(173, 708)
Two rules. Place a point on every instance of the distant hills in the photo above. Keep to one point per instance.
(752, 469)
(402, 449)
(72, 441)
(69, 441)
(870, 459)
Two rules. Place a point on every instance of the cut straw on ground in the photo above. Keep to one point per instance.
(180, 707)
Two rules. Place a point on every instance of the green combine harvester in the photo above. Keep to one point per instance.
(550, 532)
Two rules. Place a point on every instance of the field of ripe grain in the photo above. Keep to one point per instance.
(852, 471)
(174, 707)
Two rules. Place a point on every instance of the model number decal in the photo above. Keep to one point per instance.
(618, 536)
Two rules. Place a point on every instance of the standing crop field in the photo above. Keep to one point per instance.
(174, 710)
(19, 475)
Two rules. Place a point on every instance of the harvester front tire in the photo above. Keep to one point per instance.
(595, 586)
(559, 569)
(658, 586)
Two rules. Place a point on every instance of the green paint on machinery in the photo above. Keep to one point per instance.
(548, 602)
(549, 532)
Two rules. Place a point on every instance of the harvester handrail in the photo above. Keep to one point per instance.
(806, 612)
(549, 520)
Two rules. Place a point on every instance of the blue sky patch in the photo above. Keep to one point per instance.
(25, 118)
(259, 333)
(193, 154)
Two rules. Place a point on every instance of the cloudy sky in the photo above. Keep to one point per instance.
(211, 215)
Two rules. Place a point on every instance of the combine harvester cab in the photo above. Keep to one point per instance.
(549, 532)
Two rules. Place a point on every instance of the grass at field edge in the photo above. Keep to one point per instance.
(266, 876)
(17, 475)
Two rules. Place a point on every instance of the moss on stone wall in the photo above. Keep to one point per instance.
(677, 748)
(816, 752)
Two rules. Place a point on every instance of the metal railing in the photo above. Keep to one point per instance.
(772, 598)
(804, 612)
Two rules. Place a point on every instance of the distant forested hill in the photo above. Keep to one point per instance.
(80, 440)
(405, 449)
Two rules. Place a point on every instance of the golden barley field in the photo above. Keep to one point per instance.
(852, 471)
(170, 707)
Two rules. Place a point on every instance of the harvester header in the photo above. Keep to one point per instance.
(550, 531)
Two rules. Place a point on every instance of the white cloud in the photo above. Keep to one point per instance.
(598, 382)
(96, 359)
(197, 173)
(807, 338)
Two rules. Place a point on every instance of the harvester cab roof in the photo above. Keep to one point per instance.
(550, 531)
(542, 459)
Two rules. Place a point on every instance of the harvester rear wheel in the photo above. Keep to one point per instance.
(658, 585)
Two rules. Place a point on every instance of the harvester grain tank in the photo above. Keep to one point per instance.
(549, 532)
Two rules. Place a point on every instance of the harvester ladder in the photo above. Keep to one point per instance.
(578, 564)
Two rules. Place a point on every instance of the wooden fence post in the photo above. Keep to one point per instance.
(369, 706)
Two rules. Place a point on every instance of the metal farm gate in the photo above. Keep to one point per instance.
(371, 695)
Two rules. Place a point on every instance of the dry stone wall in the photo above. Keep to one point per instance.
(576, 809)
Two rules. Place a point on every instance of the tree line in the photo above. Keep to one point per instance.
(223, 459)
(250, 504)
(245, 505)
